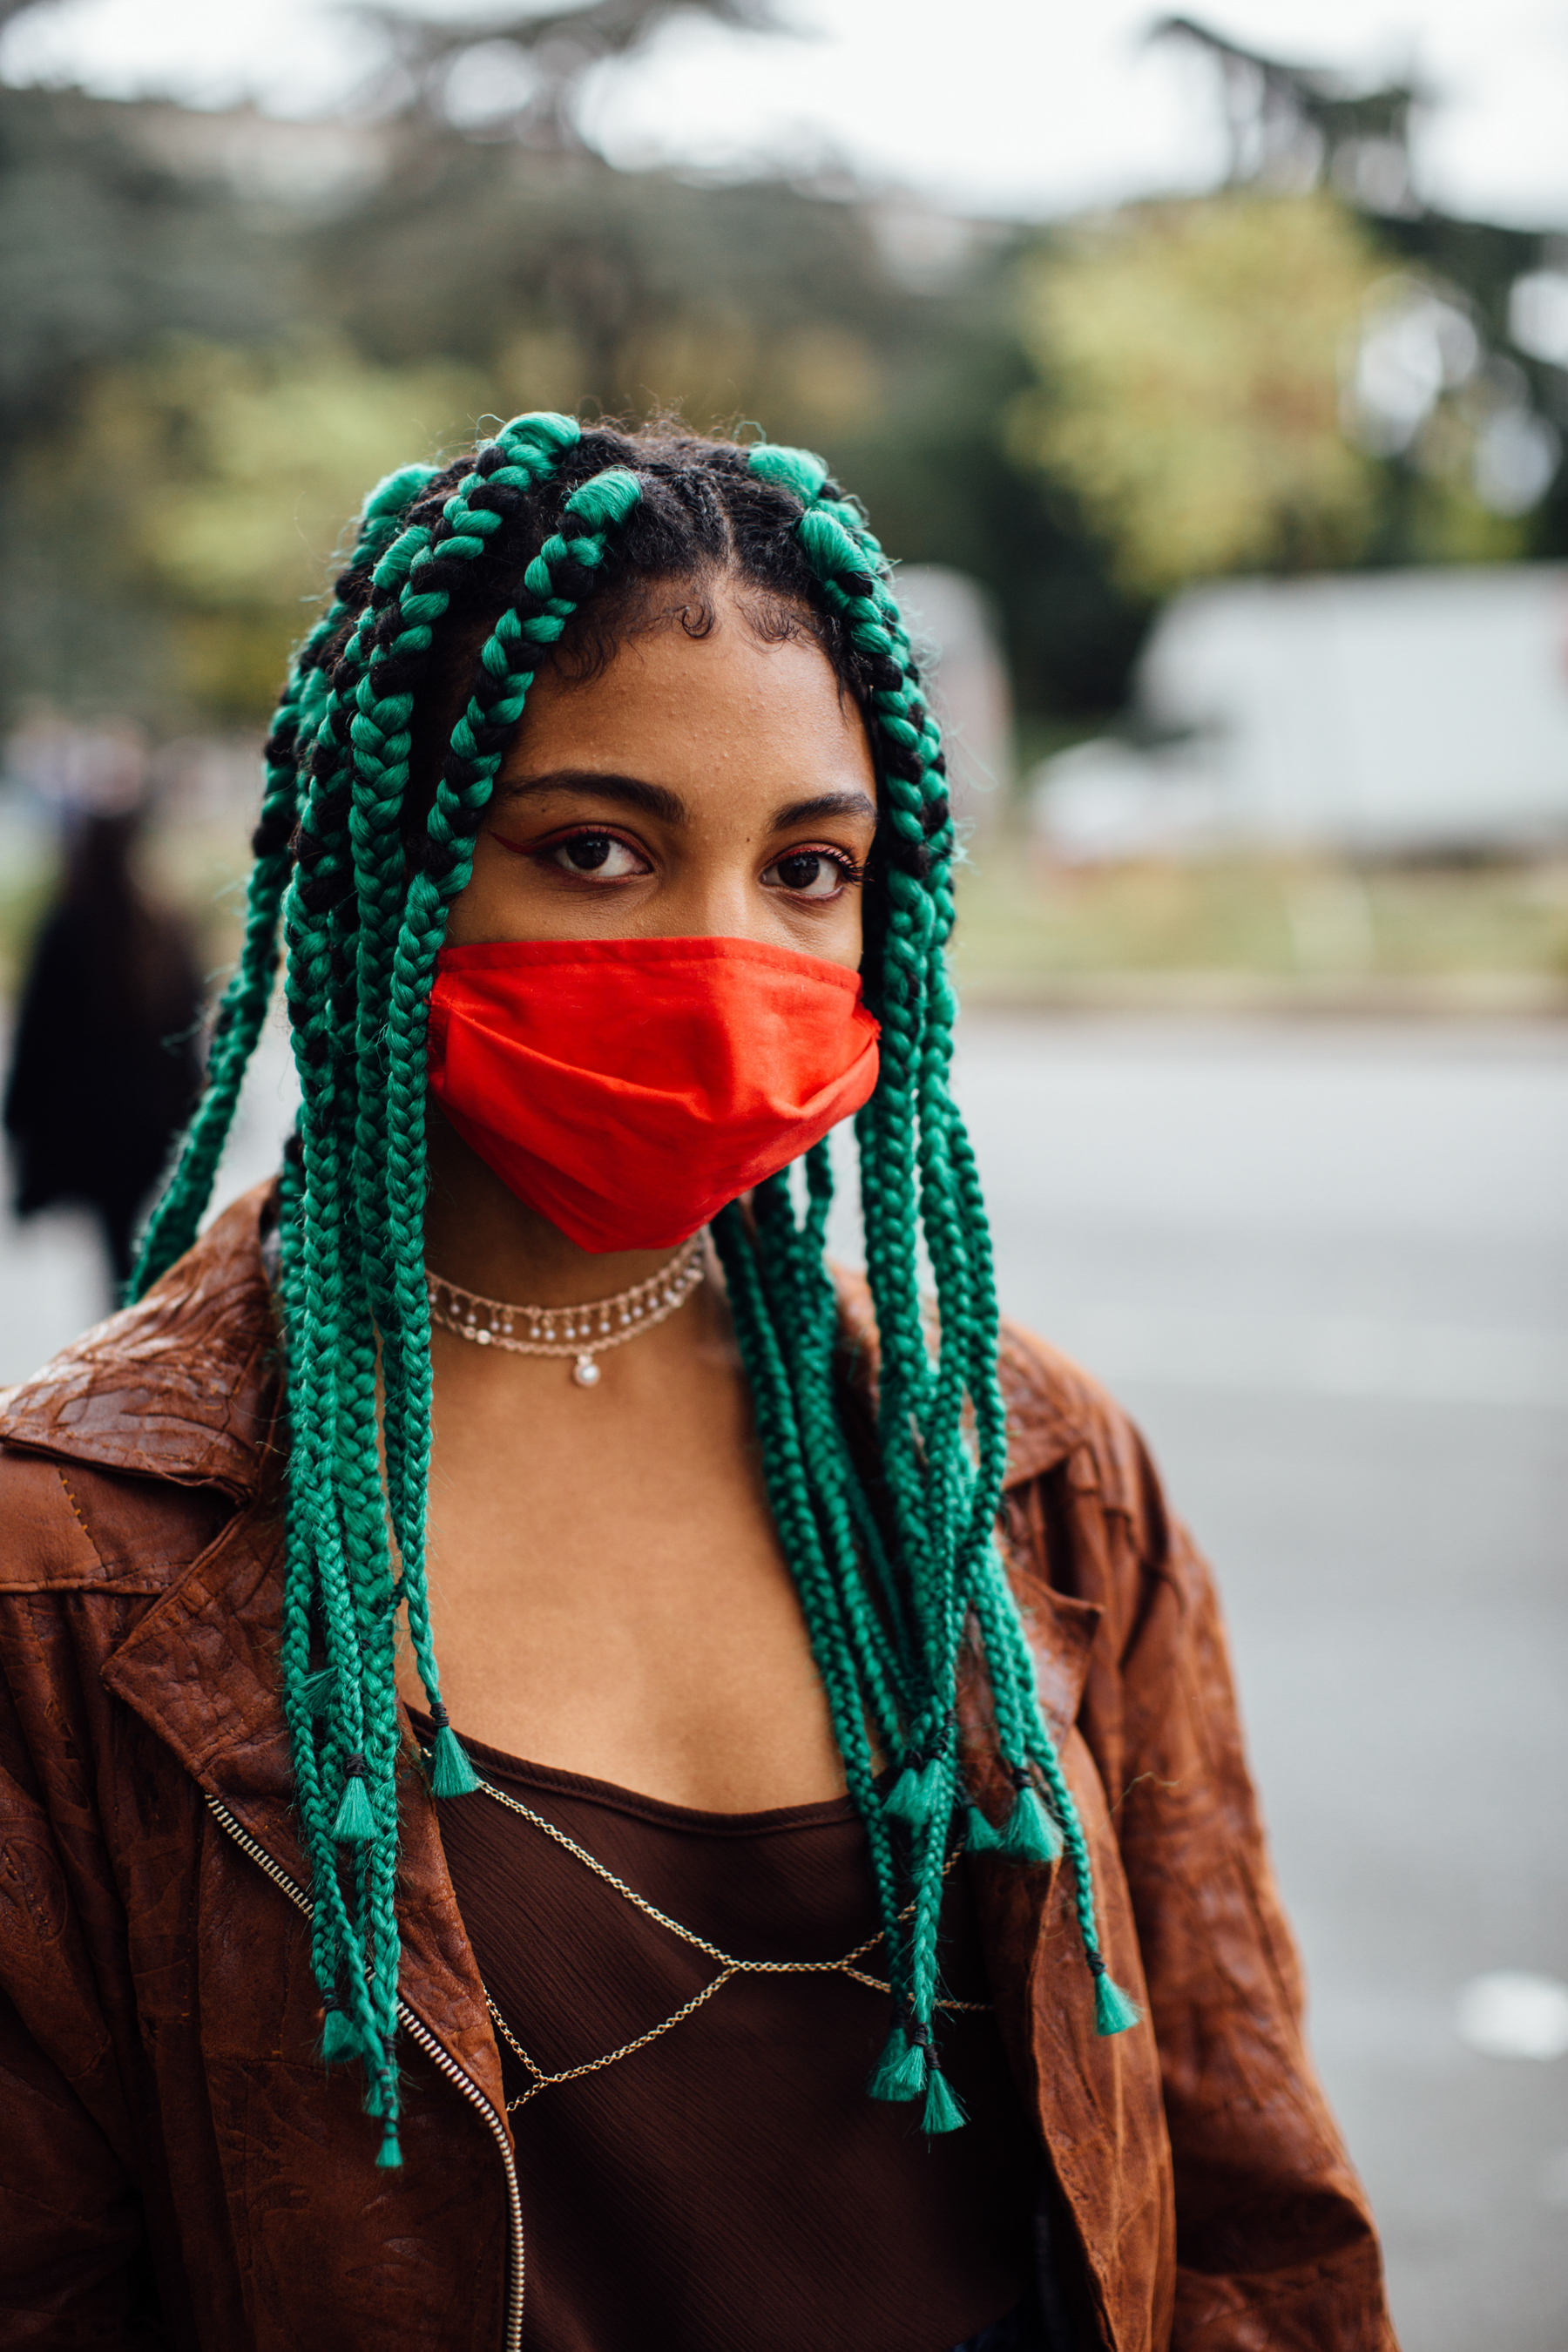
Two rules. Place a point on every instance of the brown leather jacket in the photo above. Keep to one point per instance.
(175, 2168)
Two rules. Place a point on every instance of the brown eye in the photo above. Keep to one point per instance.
(599, 855)
(807, 874)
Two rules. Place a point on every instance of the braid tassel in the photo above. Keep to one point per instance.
(338, 2043)
(355, 1823)
(942, 2112)
(451, 1774)
(979, 1835)
(900, 2071)
(1030, 1835)
(917, 1793)
(1114, 2010)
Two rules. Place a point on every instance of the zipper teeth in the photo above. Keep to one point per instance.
(446, 2065)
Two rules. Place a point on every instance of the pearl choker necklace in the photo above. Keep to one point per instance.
(582, 1333)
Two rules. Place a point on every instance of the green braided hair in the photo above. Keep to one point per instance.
(378, 766)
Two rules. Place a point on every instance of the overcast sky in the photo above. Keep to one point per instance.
(1010, 106)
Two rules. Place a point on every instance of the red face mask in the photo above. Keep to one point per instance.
(629, 1088)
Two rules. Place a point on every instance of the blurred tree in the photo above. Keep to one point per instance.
(180, 508)
(1296, 127)
(523, 74)
(1189, 357)
(210, 349)
(1477, 471)
(880, 334)
(104, 251)
(634, 289)
(213, 484)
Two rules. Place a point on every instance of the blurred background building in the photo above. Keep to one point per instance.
(1210, 382)
(1400, 714)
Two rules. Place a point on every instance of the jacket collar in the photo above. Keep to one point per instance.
(186, 1384)
(182, 1386)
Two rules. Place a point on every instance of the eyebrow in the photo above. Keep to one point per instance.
(658, 800)
(826, 804)
(629, 791)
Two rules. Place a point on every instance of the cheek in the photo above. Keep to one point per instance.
(842, 940)
(497, 886)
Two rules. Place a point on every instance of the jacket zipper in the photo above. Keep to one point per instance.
(419, 2031)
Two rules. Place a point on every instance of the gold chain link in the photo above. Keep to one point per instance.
(729, 1966)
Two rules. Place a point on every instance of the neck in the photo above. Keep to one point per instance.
(478, 1234)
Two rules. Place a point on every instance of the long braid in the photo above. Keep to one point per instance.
(243, 1008)
(333, 1517)
(506, 670)
(946, 1506)
(896, 1570)
(392, 1249)
(411, 590)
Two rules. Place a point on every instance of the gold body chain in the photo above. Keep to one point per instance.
(729, 1967)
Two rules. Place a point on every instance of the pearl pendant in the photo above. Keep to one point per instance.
(585, 1372)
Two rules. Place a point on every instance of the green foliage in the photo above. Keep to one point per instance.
(199, 497)
(194, 376)
(636, 289)
(1190, 355)
(103, 249)
(261, 449)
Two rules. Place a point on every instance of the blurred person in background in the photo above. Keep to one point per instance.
(844, 1920)
(104, 1065)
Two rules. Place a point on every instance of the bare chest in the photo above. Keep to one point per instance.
(609, 1596)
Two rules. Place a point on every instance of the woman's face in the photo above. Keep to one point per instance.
(709, 787)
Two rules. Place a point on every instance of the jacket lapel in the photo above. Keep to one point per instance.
(201, 1669)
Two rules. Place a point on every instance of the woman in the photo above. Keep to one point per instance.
(817, 1900)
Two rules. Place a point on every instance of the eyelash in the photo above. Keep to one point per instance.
(852, 869)
(544, 851)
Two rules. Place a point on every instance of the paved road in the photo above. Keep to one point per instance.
(1328, 1269)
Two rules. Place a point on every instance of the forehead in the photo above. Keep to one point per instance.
(726, 712)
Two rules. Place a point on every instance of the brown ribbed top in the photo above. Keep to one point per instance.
(730, 2185)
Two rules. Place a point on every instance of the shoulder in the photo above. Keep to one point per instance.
(1059, 1418)
(1095, 1557)
(122, 1457)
